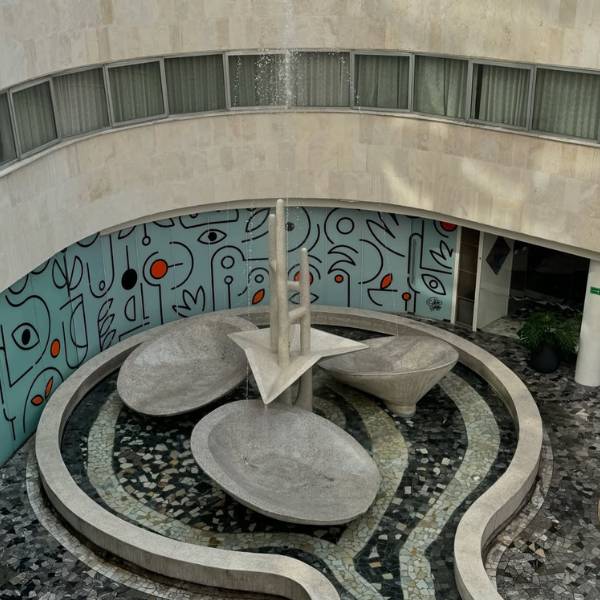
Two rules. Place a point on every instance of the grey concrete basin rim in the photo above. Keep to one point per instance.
(189, 366)
(253, 572)
(285, 462)
(277, 574)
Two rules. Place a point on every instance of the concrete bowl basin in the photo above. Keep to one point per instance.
(286, 463)
(191, 365)
(398, 369)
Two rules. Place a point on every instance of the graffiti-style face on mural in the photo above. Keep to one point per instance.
(105, 288)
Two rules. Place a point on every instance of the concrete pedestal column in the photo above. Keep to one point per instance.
(588, 359)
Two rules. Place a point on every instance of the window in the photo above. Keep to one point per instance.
(298, 79)
(7, 140)
(440, 86)
(320, 79)
(195, 83)
(381, 81)
(136, 91)
(500, 94)
(34, 116)
(567, 103)
(258, 79)
(81, 102)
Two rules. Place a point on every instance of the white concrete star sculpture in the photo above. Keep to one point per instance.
(286, 351)
(271, 378)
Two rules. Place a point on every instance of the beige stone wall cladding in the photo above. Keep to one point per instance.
(38, 38)
(535, 187)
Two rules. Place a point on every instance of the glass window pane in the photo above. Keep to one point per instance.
(567, 103)
(500, 94)
(195, 83)
(320, 79)
(80, 102)
(136, 91)
(258, 79)
(34, 116)
(440, 86)
(7, 141)
(382, 81)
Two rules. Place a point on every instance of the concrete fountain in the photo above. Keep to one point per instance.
(275, 455)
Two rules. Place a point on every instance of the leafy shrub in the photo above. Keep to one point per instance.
(552, 329)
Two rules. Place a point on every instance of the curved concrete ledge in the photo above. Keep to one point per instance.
(272, 573)
(265, 573)
(490, 512)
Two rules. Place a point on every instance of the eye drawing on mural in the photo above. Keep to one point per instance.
(105, 288)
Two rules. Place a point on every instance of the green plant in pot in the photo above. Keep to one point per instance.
(549, 337)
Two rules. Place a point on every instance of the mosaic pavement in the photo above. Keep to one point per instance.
(142, 470)
(549, 553)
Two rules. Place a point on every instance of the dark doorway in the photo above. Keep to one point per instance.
(467, 276)
(545, 276)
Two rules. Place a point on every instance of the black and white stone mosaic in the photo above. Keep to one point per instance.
(143, 470)
(554, 557)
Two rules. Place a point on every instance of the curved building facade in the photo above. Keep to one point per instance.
(115, 113)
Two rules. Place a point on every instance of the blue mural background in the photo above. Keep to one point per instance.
(102, 289)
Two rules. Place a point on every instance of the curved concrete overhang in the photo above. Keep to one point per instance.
(38, 38)
(524, 186)
(273, 573)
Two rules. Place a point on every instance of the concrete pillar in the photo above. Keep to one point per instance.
(588, 359)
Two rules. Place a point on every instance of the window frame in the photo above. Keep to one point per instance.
(17, 134)
(75, 71)
(467, 90)
(128, 63)
(268, 108)
(194, 55)
(530, 100)
(467, 120)
(12, 120)
(549, 134)
(411, 80)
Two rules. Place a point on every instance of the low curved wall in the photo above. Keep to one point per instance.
(105, 288)
(205, 565)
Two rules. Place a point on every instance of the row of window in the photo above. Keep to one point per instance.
(547, 100)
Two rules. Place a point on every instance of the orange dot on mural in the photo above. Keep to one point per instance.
(37, 400)
(159, 268)
(406, 296)
(48, 388)
(297, 277)
(447, 226)
(339, 278)
(258, 296)
(386, 281)
(55, 348)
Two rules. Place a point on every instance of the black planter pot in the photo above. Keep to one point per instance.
(545, 359)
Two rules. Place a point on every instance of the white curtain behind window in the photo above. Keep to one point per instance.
(195, 83)
(440, 86)
(500, 95)
(34, 116)
(81, 102)
(7, 144)
(320, 79)
(567, 103)
(381, 81)
(136, 91)
(257, 80)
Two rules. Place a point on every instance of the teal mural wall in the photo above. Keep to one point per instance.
(97, 292)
